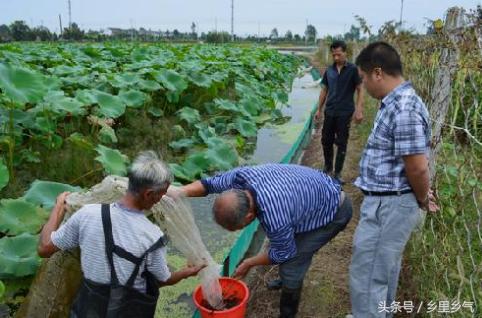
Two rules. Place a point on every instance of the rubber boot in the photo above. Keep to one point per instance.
(328, 154)
(340, 160)
(289, 302)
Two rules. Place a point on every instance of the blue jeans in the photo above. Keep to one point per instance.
(385, 225)
(292, 272)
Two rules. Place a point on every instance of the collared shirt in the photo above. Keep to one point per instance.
(341, 88)
(131, 230)
(289, 199)
(401, 128)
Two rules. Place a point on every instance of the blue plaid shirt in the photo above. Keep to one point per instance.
(401, 128)
(289, 198)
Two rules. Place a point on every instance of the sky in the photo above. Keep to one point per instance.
(256, 17)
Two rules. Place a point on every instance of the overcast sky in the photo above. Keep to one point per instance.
(250, 16)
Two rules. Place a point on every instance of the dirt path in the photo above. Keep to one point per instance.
(325, 291)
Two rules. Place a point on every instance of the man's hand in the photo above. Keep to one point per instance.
(175, 193)
(61, 204)
(358, 117)
(193, 270)
(318, 114)
(432, 204)
(242, 269)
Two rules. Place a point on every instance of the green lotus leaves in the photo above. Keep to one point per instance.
(192, 168)
(19, 216)
(107, 135)
(113, 161)
(18, 256)
(156, 112)
(221, 155)
(200, 79)
(68, 105)
(246, 128)
(109, 105)
(171, 80)
(189, 115)
(125, 80)
(4, 174)
(80, 141)
(184, 143)
(133, 98)
(44, 193)
(205, 132)
(149, 86)
(22, 85)
(226, 105)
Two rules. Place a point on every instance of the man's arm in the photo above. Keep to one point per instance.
(217, 184)
(176, 277)
(45, 247)
(358, 116)
(195, 189)
(243, 268)
(416, 168)
(321, 101)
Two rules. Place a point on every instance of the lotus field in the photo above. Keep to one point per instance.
(71, 113)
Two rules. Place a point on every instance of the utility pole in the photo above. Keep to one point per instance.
(60, 21)
(70, 15)
(401, 15)
(232, 20)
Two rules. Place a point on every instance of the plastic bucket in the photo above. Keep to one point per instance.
(231, 288)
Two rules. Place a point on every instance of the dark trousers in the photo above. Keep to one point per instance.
(335, 130)
(293, 271)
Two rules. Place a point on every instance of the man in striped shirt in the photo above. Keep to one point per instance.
(299, 208)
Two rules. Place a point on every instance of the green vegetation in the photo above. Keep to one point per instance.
(71, 113)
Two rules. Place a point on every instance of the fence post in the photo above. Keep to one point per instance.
(442, 89)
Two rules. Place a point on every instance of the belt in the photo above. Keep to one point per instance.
(386, 193)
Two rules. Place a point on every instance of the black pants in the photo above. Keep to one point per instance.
(335, 130)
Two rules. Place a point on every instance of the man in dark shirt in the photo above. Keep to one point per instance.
(338, 87)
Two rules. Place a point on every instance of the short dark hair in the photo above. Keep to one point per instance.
(338, 43)
(382, 55)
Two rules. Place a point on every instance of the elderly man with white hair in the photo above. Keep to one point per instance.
(123, 254)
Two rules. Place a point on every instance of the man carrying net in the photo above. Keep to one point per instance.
(299, 208)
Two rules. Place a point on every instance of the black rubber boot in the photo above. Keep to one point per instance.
(340, 160)
(274, 284)
(328, 154)
(289, 302)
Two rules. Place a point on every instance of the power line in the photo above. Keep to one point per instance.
(70, 15)
(232, 20)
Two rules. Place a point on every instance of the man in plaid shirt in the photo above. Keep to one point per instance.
(394, 177)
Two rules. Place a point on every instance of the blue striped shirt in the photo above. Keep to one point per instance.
(289, 199)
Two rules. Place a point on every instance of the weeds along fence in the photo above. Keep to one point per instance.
(445, 257)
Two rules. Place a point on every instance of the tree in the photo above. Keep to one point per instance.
(289, 36)
(353, 34)
(41, 33)
(364, 27)
(310, 33)
(20, 31)
(73, 33)
(274, 34)
(297, 37)
(193, 31)
(218, 37)
(5, 34)
(176, 34)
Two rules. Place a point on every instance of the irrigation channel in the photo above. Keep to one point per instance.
(275, 143)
